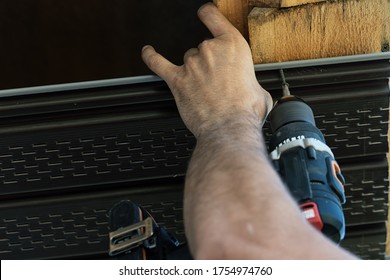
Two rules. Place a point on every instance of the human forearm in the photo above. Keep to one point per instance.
(220, 175)
(228, 183)
(236, 206)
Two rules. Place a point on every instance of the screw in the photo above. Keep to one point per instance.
(385, 47)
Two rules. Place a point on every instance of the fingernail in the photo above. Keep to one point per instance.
(145, 47)
(204, 6)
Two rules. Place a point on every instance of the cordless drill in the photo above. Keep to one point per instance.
(306, 164)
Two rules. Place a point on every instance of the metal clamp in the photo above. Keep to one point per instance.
(127, 238)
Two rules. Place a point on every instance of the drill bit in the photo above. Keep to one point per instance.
(285, 85)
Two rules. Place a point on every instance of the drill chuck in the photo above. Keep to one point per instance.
(293, 110)
(307, 166)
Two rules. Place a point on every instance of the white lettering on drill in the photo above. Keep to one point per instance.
(292, 139)
(299, 141)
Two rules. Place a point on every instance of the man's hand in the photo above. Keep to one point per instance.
(216, 85)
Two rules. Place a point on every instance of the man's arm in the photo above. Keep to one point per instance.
(235, 205)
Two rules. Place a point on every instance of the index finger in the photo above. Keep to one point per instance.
(215, 21)
(158, 64)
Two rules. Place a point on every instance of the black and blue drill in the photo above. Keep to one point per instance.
(307, 165)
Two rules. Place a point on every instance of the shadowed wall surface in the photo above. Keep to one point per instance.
(49, 42)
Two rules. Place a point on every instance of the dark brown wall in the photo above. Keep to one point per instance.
(49, 42)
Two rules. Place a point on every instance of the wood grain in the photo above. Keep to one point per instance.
(237, 12)
(327, 29)
(280, 3)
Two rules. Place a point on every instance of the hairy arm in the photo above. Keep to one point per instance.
(235, 205)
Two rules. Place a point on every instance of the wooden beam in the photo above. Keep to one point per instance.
(327, 29)
(280, 3)
(237, 12)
